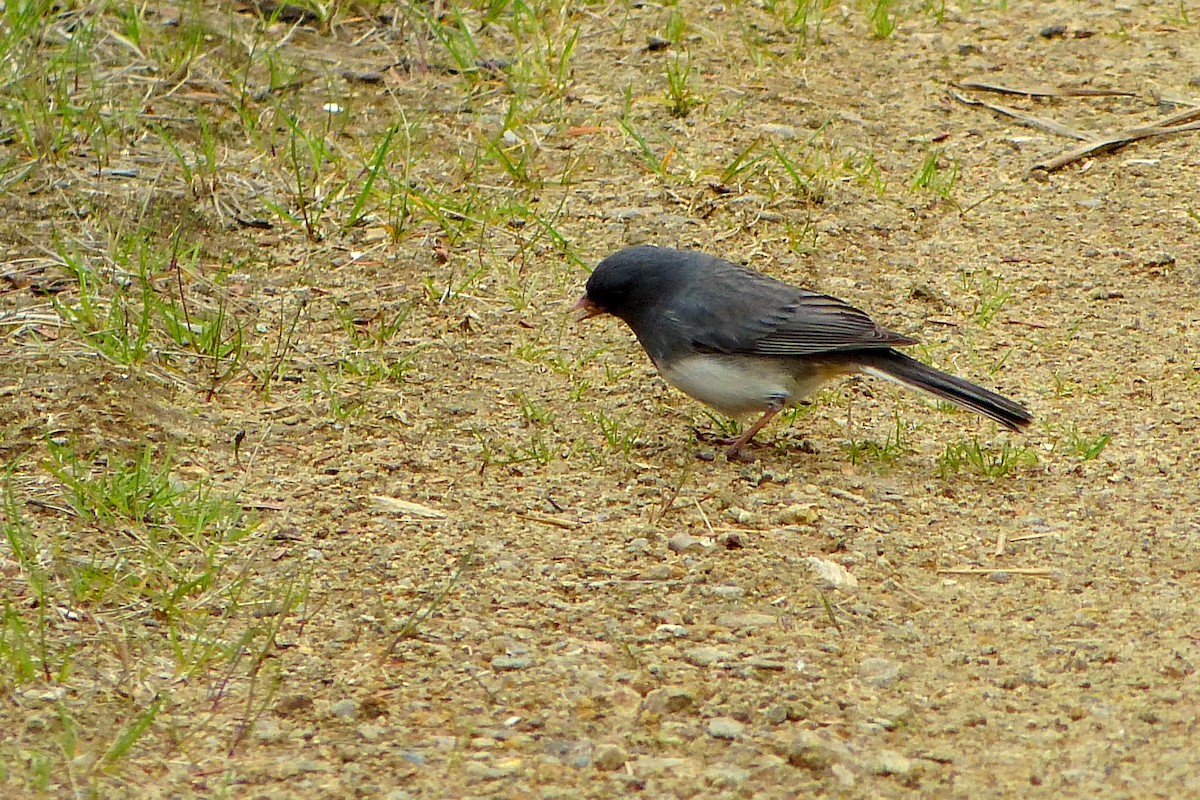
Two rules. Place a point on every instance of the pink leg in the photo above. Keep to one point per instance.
(734, 452)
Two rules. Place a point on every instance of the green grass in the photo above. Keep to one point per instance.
(935, 176)
(984, 461)
(881, 454)
(133, 543)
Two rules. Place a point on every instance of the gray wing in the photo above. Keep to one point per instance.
(735, 310)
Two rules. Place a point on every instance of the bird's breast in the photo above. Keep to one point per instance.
(740, 385)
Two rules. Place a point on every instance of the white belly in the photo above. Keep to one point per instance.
(739, 385)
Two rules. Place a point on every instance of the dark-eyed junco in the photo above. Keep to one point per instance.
(745, 343)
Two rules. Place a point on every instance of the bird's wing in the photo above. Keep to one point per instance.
(734, 310)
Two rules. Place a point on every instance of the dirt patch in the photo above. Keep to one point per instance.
(399, 528)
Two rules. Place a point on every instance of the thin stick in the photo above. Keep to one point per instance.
(1021, 117)
(1065, 91)
(1035, 571)
(546, 519)
(703, 516)
(1031, 536)
(1001, 543)
(1115, 142)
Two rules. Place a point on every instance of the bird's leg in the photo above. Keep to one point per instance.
(734, 452)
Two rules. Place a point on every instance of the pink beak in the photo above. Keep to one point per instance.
(586, 309)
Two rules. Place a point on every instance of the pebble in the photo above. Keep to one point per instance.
(704, 656)
(879, 672)
(890, 762)
(726, 777)
(731, 540)
(725, 728)
(369, 732)
(653, 765)
(831, 575)
(510, 663)
(770, 664)
(745, 621)
(799, 514)
(808, 750)
(776, 714)
(268, 730)
(476, 772)
(413, 757)
(609, 757)
(728, 592)
(659, 572)
(638, 546)
(293, 703)
(344, 709)
(741, 516)
(670, 632)
(685, 543)
(782, 131)
(669, 700)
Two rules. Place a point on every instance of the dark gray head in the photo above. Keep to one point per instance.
(629, 283)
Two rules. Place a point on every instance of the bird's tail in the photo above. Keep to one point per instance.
(895, 366)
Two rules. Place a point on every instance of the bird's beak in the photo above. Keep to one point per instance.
(586, 309)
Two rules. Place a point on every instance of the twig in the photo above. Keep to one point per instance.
(1065, 91)
(547, 519)
(1034, 571)
(1025, 119)
(1115, 142)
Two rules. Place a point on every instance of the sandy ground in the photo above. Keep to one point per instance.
(584, 601)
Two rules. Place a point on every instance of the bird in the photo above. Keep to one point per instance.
(745, 343)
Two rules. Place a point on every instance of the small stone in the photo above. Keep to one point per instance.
(670, 632)
(800, 514)
(741, 516)
(731, 540)
(369, 732)
(413, 757)
(745, 621)
(638, 546)
(725, 728)
(890, 762)
(267, 730)
(722, 776)
(879, 672)
(656, 765)
(808, 750)
(659, 572)
(831, 575)
(776, 714)
(728, 592)
(769, 664)
(510, 663)
(476, 772)
(609, 757)
(1056, 31)
(669, 700)
(684, 543)
(705, 656)
(293, 703)
(344, 709)
(782, 131)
